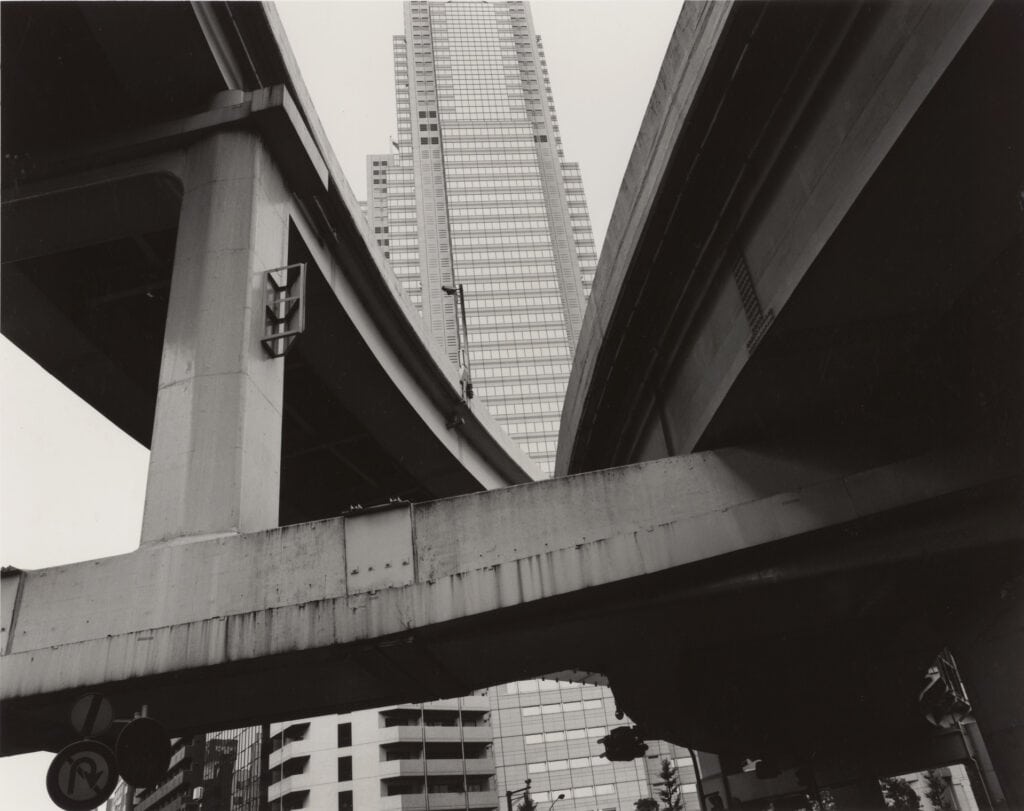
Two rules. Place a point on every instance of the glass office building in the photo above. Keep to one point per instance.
(478, 193)
(546, 730)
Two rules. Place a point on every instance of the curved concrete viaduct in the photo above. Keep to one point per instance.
(809, 303)
(818, 240)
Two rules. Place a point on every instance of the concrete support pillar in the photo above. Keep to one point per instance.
(216, 452)
(990, 658)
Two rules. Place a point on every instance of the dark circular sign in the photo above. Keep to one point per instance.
(143, 753)
(82, 776)
(92, 715)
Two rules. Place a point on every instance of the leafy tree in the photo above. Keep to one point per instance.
(936, 792)
(669, 793)
(823, 802)
(646, 804)
(899, 794)
(527, 804)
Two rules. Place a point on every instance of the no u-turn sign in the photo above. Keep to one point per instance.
(83, 775)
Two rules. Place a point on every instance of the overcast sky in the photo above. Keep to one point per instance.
(72, 485)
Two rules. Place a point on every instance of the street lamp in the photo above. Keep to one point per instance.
(510, 794)
(461, 337)
(559, 797)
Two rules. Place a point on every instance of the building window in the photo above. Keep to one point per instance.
(345, 730)
(344, 768)
(344, 801)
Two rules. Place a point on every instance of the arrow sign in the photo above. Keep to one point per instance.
(81, 776)
(92, 715)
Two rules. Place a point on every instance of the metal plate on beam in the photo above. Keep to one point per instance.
(378, 549)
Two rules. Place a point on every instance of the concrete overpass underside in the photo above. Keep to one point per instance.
(818, 239)
(91, 216)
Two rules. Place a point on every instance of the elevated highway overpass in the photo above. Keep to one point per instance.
(793, 425)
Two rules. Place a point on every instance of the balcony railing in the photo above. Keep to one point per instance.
(436, 767)
(413, 734)
(439, 801)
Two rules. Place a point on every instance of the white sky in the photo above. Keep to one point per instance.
(72, 485)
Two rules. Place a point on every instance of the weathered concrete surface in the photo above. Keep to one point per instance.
(304, 598)
(215, 459)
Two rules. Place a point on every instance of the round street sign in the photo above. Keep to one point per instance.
(143, 753)
(92, 715)
(82, 776)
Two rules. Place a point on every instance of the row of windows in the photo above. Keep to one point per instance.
(501, 225)
(487, 336)
(577, 793)
(516, 318)
(484, 157)
(525, 253)
(538, 447)
(531, 427)
(516, 170)
(568, 706)
(543, 407)
(507, 286)
(456, 212)
(496, 240)
(519, 389)
(499, 272)
(497, 197)
(497, 184)
(544, 767)
(520, 353)
(526, 371)
(458, 131)
(504, 302)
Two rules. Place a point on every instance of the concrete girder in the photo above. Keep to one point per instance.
(356, 611)
(670, 330)
(453, 455)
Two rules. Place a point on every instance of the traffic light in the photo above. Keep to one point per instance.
(623, 743)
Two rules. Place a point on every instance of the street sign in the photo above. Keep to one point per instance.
(92, 715)
(81, 776)
(143, 753)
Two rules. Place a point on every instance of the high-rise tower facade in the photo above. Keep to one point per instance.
(478, 194)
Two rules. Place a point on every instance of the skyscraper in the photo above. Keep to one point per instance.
(478, 193)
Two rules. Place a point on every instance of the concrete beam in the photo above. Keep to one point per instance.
(209, 631)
